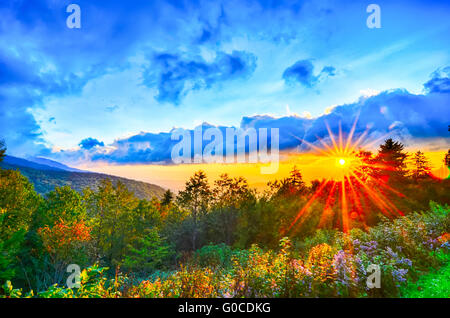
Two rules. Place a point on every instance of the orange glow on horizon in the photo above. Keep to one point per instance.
(313, 167)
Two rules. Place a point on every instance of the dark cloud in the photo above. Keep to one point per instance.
(439, 82)
(175, 75)
(90, 143)
(302, 72)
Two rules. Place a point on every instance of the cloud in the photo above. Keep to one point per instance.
(40, 59)
(439, 82)
(111, 109)
(395, 113)
(328, 71)
(90, 143)
(175, 75)
(302, 72)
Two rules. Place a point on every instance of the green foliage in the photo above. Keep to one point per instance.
(435, 284)
(223, 240)
(213, 255)
(8, 251)
(10, 292)
(333, 269)
(196, 199)
(112, 212)
(18, 201)
(93, 284)
(62, 204)
(45, 181)
(150, 253)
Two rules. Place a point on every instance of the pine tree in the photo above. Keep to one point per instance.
(196, 198)
(2, 149)
(391, 160)
(167, 197)
(447, 159)
(447, 156)
(421, 166)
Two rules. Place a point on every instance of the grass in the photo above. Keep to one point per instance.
(435, 284)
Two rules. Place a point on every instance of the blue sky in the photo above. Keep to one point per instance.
(140, 68)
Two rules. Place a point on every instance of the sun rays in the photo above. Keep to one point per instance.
(347, 197)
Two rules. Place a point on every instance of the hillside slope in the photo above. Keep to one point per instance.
(46, 178)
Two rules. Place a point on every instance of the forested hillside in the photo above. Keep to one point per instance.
(223, 239)
(46, 179)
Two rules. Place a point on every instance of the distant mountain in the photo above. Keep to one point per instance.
(54, 164)
(46, 177)
(14, 161)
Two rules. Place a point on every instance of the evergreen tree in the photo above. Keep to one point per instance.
(421, 166)
(292, 185)
(391, 160)
(447, 156)
(195, 197)
(447, 159)
(148, 254)
(167, 197)
(2, 149)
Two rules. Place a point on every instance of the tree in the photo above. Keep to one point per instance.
(150, 253)
(391, 160)
(292, 185)
(63, 203)
(447, 159)
(167, 197)
(9, 249)
(196, 198)
(2, 149)
(229, 195)
(447, 156)
(18, 202)
(366, 167)
(65, 243)
(112, 210)
(421, 166)
(315, 184)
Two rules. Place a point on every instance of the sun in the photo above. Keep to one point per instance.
(351, 191)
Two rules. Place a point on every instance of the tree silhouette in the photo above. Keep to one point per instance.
(422, 166)
(447, 159)
(391, 160)
(2, 149)
(292, 185)
(167, 197)
(447, 156)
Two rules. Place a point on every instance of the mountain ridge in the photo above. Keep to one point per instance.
(45, 178)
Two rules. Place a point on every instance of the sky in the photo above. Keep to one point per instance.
(107, 96)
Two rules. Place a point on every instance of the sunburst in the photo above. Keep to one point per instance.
(352, 189)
